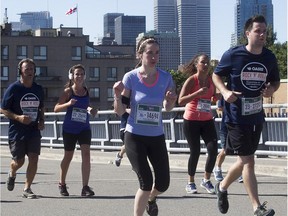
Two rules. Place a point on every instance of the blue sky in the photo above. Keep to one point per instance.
(90, 16)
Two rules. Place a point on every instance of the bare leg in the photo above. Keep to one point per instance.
(68, 155)
(122, 151)
(86, 164)
(15, 165)
(31, 169)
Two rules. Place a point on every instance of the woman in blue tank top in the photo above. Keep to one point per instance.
(76, 127)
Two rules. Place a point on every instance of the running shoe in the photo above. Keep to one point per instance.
(222, 199)
(28, 194)
(87, 191)
(218, 175)
(207, 186)
(10, 182)
(191, 188)
(63, 189)
(240, 179)
(118, 159)
(262, 211)
(152, 208)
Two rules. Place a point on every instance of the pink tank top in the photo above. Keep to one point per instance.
(200, 107)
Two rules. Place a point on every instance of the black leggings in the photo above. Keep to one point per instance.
(192, 131)
(141, 148)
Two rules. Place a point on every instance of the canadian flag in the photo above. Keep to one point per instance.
(71, 10)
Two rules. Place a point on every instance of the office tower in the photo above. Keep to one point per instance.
(165, 16)
(109, 23)
(35, 20)
(169, 48)
(193, 28)
(245, 9)
(127, 29)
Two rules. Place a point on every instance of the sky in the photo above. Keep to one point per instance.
(91, 12)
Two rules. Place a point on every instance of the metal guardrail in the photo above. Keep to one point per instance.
(105, 131)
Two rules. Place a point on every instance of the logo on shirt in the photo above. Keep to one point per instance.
(253, 76)
(29, 104)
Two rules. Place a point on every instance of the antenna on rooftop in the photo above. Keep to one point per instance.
(5, 19)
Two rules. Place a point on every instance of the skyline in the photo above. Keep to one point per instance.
(95, 11)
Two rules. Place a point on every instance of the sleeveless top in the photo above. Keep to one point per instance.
(200, 107)
(77, 118)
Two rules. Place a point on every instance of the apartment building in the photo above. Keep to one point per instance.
(55, 51)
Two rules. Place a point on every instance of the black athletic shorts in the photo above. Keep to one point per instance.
(20, 148)
(70, 140)
(242, 139)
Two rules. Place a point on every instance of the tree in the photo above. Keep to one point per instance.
(179, 79)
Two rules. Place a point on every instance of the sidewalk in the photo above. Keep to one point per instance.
(270, 166)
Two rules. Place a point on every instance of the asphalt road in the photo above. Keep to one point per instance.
(115, 188)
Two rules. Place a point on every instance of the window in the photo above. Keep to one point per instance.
(110, 94)
(94, 73)
(4, 52)
(21, 52)
(112, 74)
(94, 93)
(4, 73)
(76, 53)
(40, 52)
(41, 72)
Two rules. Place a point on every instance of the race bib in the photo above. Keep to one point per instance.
(204, 105)
(79, 115)
(29, 104)
(148, 115)
(251, 105)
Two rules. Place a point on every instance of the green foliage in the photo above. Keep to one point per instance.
(179, 79)
(280, 51)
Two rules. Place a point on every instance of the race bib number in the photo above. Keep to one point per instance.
(79, 115)
(204, 105)
(251, 105)
(148, 115)
(31, 112)
(29, 104)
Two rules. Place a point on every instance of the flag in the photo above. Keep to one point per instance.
(71, 10)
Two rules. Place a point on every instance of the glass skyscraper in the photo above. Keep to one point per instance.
(109, 23)
(127, 29)
(35, 20)
(191, 19)
(245, 9)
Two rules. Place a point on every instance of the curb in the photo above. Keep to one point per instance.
(270, 166)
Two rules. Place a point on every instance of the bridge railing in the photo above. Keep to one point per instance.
(105, 131)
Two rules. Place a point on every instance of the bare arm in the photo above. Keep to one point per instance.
(169, 101)
(270, 88)
(229, 96)
(119, 90)
(185, 96)
(24, 119)
(63, 104)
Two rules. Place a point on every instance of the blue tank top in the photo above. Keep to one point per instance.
(77, 118)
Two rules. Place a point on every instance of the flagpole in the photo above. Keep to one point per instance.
(77, 14)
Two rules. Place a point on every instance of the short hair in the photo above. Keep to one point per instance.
(249, 23)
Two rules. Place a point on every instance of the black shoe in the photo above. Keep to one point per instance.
(118, 159)
(87, 191)
(222, 199)
(10, 182)
(63, 189)
(262, 211)
(152, 208)
(28, 194)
